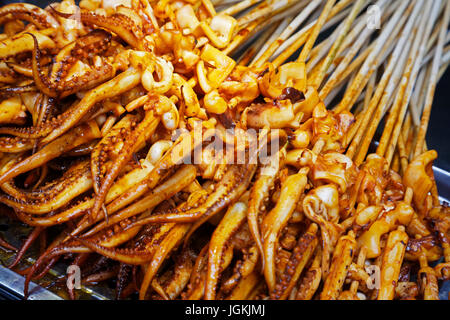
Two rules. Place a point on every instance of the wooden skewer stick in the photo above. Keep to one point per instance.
(432, 41)
(356, 31)
(403, 153)
(315, 31)
(265, 11)
(372, 60)
(273, 46)
(245, 32)
(292, 44)
(418, 98)
(404, 94)
(433, 51)
(369, 94)
(250, 52)
(274, 36)
(291, 49)
(401, 146)
(332, 54)
(419, 94)
(320, 51)
(343, 69)
(432, 83)
(240, 6)
(242, 35)
(384, 90)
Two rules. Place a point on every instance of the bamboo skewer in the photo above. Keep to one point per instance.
(432, 83)
(404, 107)
(292, 44)
(279, 60)
(361, 25)
(371, 62)
(275, 35)
(433, 51)
(243, 35)
(246, 32)
(239, 6)
(268, 52)
(402, 99)
(360, 117)
(346, 65)
(381, 94)
(405, 139)
(256, 46)
(265, 11)
(332, 54)
(321, 50)
(315, 31)
(397, 128)
(344, 70)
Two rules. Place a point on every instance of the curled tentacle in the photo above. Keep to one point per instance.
(230, 188)
(122, 279)
(181, 274)
(22, 42)
(28, 12)
(179, 153)
(243, 269)
(6, 245)
(16, 144)
(55, 127)
(85, 47)
(65, 215)
(73, 138)
(54, 195)
(321, 206)
(85, 80)
(173, 239)
(106, 150)
(31, 238)
(118, 23)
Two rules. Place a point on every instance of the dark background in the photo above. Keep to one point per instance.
(438, 136)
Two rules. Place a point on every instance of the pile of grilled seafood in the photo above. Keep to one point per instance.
(116, 115)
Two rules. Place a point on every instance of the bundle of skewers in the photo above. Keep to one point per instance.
(116, 115)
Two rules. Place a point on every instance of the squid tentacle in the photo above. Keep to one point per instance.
(277, 218)
(28, 12)
(57, 126)
(118, 23)
(56, 194)
(143, 130)
(75, 137)
(181, 179)
(31, 238)
(300, 256)
(225, 192)
(259, 194)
